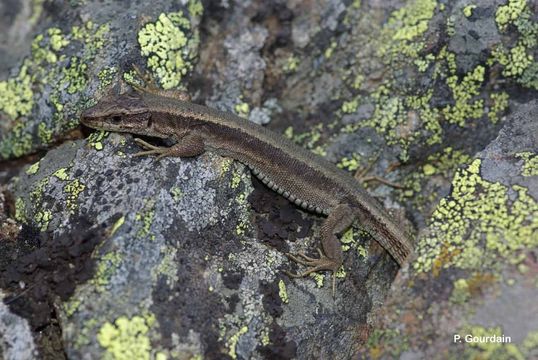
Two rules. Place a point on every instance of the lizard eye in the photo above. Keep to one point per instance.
(116, 118)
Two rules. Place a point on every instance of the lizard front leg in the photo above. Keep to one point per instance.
(331, 257)
(190, 145)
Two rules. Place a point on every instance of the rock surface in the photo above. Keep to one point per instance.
(104, 255)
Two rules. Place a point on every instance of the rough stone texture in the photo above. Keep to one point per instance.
(425, 311)
(107, 255)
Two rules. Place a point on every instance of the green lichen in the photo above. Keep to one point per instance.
(117, 225)
(499, 105)
(71, 306)
(233, 340)
(468, 10)
(73, 190)
(42, 218)
(463, 91)
(147, 219)
(16, 142)
(20, 210)
(478, 223)
(461, 293)
(291, 64)
(282, 292)
(17, 96)
(46, 69)
(508, 13)
(404, 27)
(386, 342)
(309, 139)
(33, 169)
(127, 338)
(168, 266)
(37, 193)
(518, 61)
(357, 81)
(61, 174)
(95, 139)
(349, 107)
(196, 8)
(168, 47)
(242, 109)
(330, 50)
(350, 164)
(176, 192)
(530, 165)
(106, 267)
(44, 134)
(106, 76)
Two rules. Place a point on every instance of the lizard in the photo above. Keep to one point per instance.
(304, 178)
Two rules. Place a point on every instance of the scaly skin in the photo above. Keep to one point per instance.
(304, 178)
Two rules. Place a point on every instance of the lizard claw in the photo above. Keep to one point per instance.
(150, 149)
(314, 265)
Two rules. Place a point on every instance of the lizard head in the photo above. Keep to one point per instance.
(120, 113)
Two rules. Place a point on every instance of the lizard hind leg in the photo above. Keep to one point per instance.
(149, 85)
(330, 254)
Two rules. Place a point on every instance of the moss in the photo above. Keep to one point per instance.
(530, 163)
(127, 338)
(168, 46)
(477, 224)
(282, 292)
(506, 14)
(468, 10)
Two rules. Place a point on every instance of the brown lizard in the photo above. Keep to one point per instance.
(304, 178)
